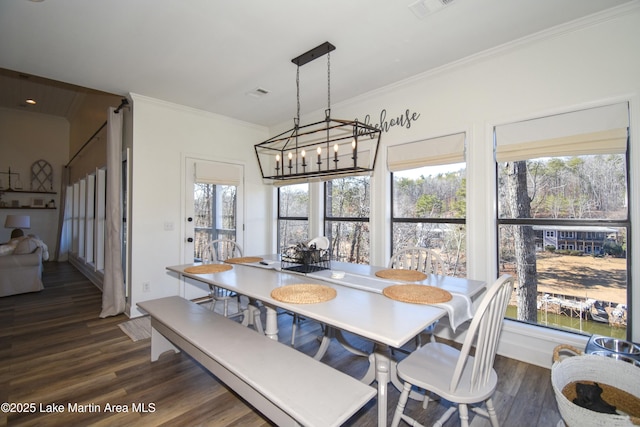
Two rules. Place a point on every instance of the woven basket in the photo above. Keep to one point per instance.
(619, 380)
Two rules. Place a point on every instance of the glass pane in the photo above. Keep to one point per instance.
(573, 278)
(348, 197)
(448, 240)
(294, 201)
(214, 215)
(349, 241)
(293, 232)
(584, 187)
(430, 192)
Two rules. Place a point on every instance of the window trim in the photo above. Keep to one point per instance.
(573, 222)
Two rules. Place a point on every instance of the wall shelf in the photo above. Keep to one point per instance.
(18, 193)
(7, 191)
(26, 207)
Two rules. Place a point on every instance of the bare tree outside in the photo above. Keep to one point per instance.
(214, 214)
(429, 210)
(347, 218)
(563, 225)
(519, 204)
(293, 214)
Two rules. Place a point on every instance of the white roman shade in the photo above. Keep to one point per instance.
(442, 150)
(600, 130)
(218, 173)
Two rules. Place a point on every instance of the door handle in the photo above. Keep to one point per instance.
(189, 219)
(190, 239)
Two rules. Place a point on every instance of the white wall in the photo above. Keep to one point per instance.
(573, 68)
(163, 134)
(589, 62)
(26, 138)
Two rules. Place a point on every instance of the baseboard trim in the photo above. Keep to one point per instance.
(535, 344)
(527, 343)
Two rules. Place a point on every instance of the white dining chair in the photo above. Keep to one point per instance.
(416, 258)
(220, 250)
(420, 259)
(223, 249)
(454, 374)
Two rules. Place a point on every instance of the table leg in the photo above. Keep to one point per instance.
(329, 333)
(324, 344)
(383, 370)
(383, 365)
(271, 327)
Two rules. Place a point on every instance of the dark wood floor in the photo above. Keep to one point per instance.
(55, 350)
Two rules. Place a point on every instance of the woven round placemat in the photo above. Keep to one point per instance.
(397, 274)
(207, 268)
(417, 294)
(242, 260)
(304, 293)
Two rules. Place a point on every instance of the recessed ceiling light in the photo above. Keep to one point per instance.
(31, 101)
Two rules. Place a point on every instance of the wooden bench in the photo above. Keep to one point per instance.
(287, 386)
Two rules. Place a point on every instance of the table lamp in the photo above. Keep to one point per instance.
(17, 222)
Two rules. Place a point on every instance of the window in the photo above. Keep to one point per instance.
(75, 221)
(563, 219)
(82, 209)
(84, 219)
(347, 206)
(100, 217)
(428, 198)
(90, 218)
(215, 214)
(293, 214)
(217, 203)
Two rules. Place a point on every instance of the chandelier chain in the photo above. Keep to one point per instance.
(298, 94)
(329, 80)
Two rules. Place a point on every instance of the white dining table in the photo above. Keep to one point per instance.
(359, 306)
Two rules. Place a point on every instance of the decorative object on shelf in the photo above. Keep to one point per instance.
(41, 176)
(342, 147)
(17, 222)
(16, 184)
(37, 202)
(51, 204)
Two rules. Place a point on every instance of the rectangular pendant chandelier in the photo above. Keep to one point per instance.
(322, 150)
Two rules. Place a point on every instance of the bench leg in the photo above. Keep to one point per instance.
(159, 344)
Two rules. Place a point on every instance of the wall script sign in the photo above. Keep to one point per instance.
(385, 124)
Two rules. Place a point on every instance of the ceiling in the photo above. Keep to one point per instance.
(216, 55)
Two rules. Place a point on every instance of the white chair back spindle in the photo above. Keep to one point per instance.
(419, 259)
(223, 249)
(485, 330)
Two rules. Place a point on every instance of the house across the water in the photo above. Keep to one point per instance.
(575, 238)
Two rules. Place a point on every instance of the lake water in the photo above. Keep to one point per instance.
(573, 324)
